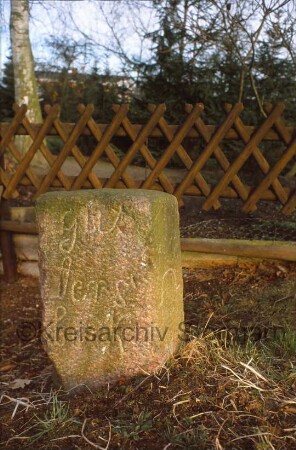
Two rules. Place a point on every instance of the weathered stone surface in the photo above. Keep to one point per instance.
(111, 282)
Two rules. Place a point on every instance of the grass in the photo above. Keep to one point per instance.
(285, 343)
(133, 428)
(193, 438)
(56, 416)
(216, 394)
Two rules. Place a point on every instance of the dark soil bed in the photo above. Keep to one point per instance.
(229, 222)
(266, 223)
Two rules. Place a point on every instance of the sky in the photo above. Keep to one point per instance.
(107, 24)
(70, 19)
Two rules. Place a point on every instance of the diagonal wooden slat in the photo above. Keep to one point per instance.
(44, 149)
(220, 156)
(35, 180)
(141, 138)
(290, 205)
(6, 142)
(76, 132)
(270, 177)
(104, 142)
(286, 134)
(97, 133)
(209, 149)
(4, 178)
(261, 160)
(13, 126)
(144, 150)
(4, 181)
(79, 157)
(161, 129)
(182, 153)
(259, 157)
(29, 155)
(172, 147)
(244, 155)
(203, 130)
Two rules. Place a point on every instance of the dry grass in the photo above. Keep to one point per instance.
(213, 395)
(219, 392)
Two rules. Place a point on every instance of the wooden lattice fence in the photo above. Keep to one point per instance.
(230, 184)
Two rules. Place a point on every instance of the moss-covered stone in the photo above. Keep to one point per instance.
(111, 282)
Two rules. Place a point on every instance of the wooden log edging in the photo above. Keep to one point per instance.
(195, 260)
(18, 227)
(281, 250)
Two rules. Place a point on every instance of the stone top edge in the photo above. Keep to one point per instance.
(105, 192)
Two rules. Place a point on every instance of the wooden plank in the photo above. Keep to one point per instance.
(80, 125)
(285, 251)
(271, 135)
(29, 155)
(192, 260)
(141, 138)
(209, 149)
(6, 242)
(191, 190)
(104, 142)
(172, 147)
(243, 156)
(279, 250)
(8, 256)
(18, 227)
(182, 153)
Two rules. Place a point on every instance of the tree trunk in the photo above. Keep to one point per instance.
(25, 83)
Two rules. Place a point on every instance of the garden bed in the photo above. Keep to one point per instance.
(229, 222)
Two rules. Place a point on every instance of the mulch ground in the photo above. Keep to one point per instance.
(194, 402)
(229, 222)
(266, 223)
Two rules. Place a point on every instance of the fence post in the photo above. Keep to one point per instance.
(6, 241)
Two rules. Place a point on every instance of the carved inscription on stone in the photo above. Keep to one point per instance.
(111, 282)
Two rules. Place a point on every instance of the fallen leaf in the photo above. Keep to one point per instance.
(5, 366)
(19, 383)
(289, 409)
(282, 268)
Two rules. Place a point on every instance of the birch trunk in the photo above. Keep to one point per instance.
(26, 90)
